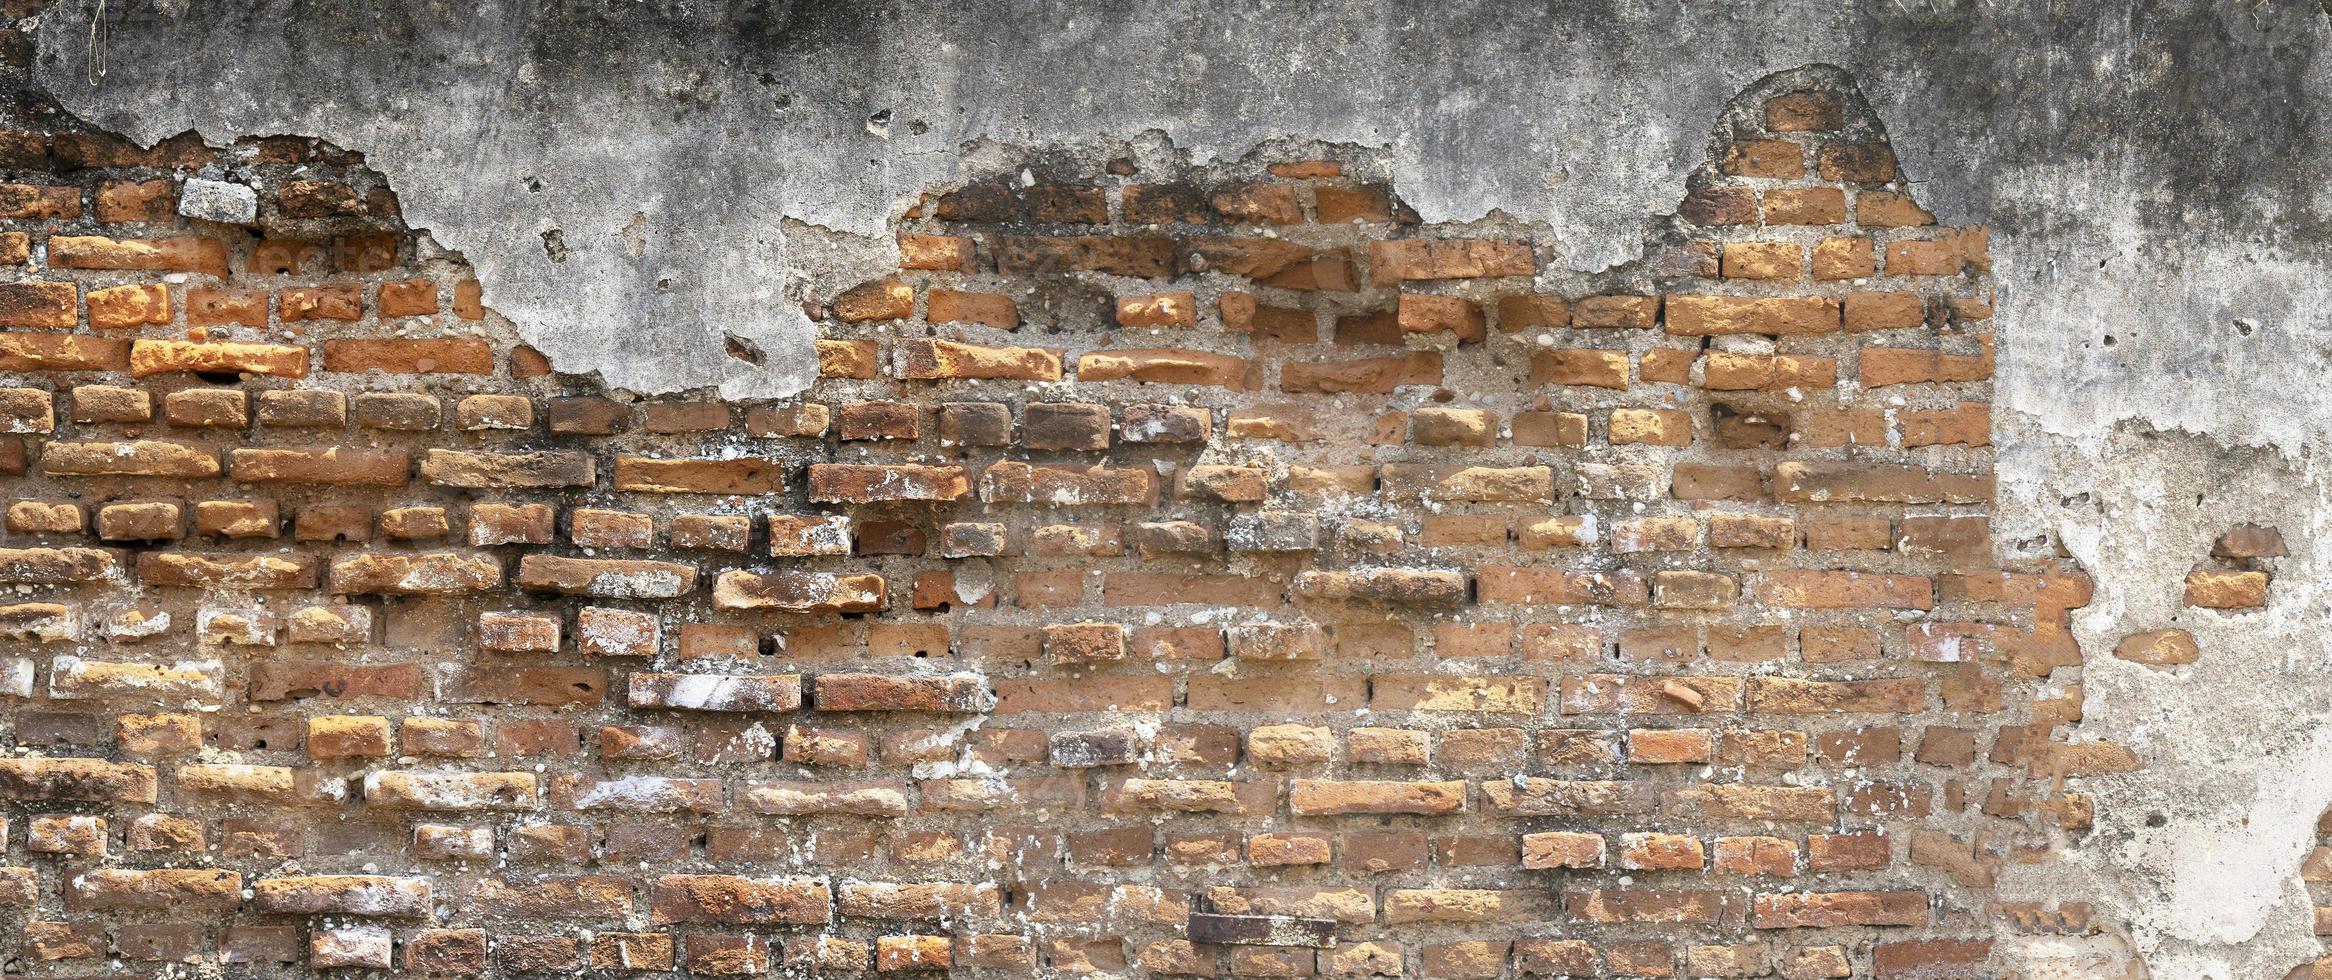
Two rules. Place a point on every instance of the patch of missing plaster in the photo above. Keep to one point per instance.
(635, 235)
(743, 349)
(2262, 392)
(1153, 152)
(843, 256)
(838, 257)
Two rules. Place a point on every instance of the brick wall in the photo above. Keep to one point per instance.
(1184, 570)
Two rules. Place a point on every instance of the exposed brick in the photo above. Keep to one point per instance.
(943, 359)
(1702, 589)
(457, 468)
(737, 900)
(1142, 258)
(150, 357)
(1704, 315)
(987, 309)
(802, 592)
(129, 307)
(1164, 366)
(1447, 258)
(189, 253)
(883, 299)
(723, 476)
(61, 352)
(328, 467)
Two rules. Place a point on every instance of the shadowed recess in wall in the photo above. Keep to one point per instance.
(1176, 570)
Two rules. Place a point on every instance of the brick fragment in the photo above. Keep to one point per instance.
(1022, 483)
(1827, 909)
(2212, 588)
(357, 895)
(451, 791)
(1138, 257)
(1562, 849)
(431, 573)
(230, 571)
(1164, 366)
(107, 403)
(882, 299)
(876, 692)
(416, 356)
(1428, 587)
(156, 890)
(327, 467)
(207, 408)
(1715, 315)
(2159, 648)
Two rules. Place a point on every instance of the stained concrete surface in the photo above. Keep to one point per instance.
(2153, 172)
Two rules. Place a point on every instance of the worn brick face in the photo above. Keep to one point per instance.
(1203, 541)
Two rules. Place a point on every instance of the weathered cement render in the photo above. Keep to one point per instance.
(648, 190)
(2138, 157)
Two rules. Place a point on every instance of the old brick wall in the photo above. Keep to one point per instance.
(1162, 548)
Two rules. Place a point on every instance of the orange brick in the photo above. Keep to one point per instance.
(1763, 260)
(987, 309)
(129, 307)
(1805, 206)
(1650, 426)
(944, 253)
(1779, 159)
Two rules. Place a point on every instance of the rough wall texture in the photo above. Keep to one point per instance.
(1262, 545)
